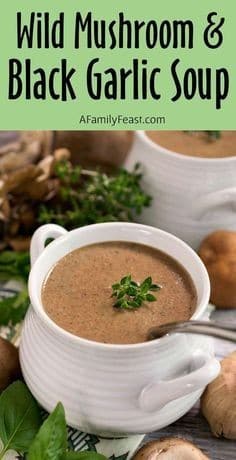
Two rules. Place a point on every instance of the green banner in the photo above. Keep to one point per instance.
(117, 65)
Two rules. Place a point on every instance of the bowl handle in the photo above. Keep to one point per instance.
(222, 198)
(40, 237)
(157, 394)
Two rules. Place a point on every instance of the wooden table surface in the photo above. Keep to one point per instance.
(193, 426)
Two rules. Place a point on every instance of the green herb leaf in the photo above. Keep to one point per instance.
(88, 197)
(125, 280)
(19, 418)
(130, 294)
(211, 135)
(155, 287)
(115, 286)
(146, 284)
(14, 308)
(85, 455)
(14, 265)
(150, 298)
(51, 440)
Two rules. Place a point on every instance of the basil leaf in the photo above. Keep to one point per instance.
(51, 440)
(85, 455)
(20, 418)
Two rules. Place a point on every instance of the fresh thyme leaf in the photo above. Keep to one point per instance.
(150, 297)
(115, 286)
(131, 295)
(155, 287)
(146, 284)
(212, 135)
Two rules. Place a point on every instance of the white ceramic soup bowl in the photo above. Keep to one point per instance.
(113, 389)
(192, 196)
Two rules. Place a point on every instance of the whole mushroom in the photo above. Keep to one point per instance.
(92, 148)
(218, 252)
(170, 449)
(9, 364)
(218, 402)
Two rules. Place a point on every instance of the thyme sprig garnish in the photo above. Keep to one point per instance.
(211, 135)
(130, 294)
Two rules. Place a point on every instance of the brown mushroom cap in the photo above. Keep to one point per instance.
(218, 252)
(105, 148)
(9, 364)
(170, 449)
(218, 402)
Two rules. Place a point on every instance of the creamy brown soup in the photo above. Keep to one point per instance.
(77, 292)
(196, 144)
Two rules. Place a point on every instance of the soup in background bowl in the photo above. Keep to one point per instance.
(113, 389)
(205, 144)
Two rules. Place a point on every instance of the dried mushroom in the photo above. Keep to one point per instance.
(26, 181)
(37, 187)
(9, 364)
(170, 449)
(218, 402)
(218, 252)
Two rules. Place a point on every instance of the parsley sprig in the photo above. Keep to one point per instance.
(130, 294)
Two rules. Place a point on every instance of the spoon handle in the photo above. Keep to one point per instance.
(220, 331)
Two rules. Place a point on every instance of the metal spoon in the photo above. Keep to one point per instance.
(224, 331)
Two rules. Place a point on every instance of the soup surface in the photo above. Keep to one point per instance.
(197, 144)
(77, 292)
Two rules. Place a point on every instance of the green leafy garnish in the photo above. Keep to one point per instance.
(14, 308)
(14, 266)
(19, 418)
(51, 440)
(131, 295)
(88, 197)
(211, 135)
(85, 455)
(21, 428)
